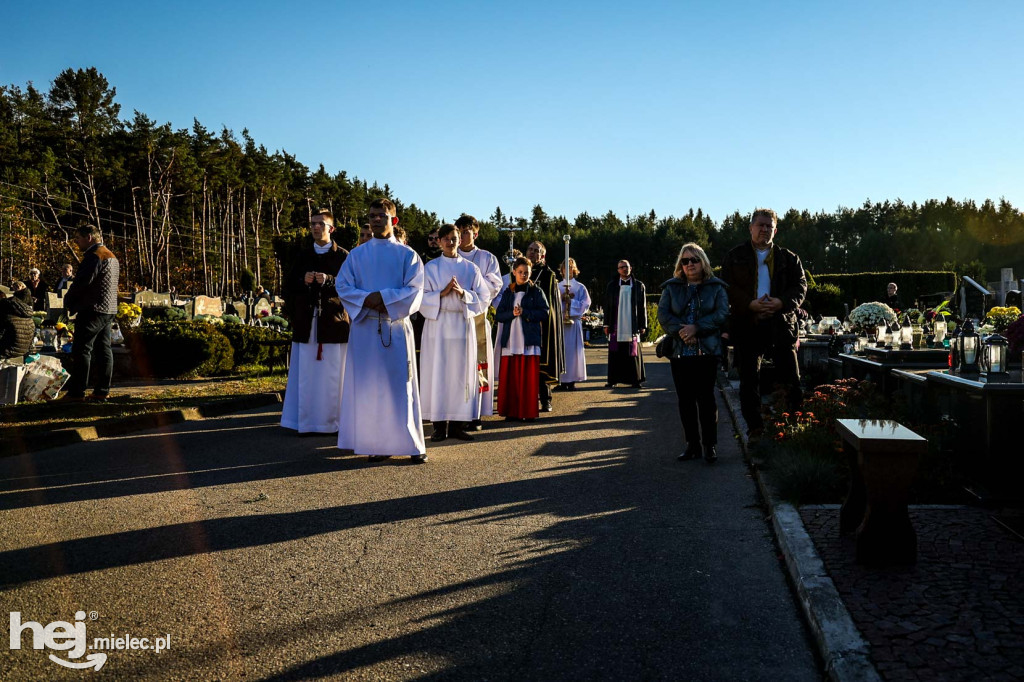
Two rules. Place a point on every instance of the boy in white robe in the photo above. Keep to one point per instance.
(487, 262)
(320, 329)
(579, 303)
(454, 294)
(381, 284)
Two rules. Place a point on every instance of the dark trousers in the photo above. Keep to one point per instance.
(694, 378)
(545, 391)
(748, 354)
(92, 342)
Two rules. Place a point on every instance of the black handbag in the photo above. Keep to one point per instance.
(664, 347)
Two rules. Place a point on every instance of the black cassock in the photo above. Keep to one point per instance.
(623, 366)
(552, 352)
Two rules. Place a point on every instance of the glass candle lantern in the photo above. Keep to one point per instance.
(880, 334)
(995, 350)
(969, 344)
(906, 335)
(940, 330)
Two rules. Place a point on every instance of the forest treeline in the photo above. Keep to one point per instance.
(206, 211)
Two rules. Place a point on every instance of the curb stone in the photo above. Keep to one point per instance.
(27, 443)
(844, 650)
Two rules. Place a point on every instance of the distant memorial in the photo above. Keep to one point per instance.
(972, 299)
(151, 299)
(262, 309)
(54, 306)
(240, 310)
(205, 305)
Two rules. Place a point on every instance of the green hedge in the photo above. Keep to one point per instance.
(247, 340)
(824, 299)
(862, 287)
(180, 349)
(164, 314)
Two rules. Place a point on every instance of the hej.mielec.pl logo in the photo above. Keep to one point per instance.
(71, 637)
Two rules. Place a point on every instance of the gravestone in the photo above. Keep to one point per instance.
(262, 309)
(973, 299)
(240, 310)
(205, 305)
(1013, 298)
(54, 306)
(151, 299)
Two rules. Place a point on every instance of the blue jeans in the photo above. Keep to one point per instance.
(92, 341)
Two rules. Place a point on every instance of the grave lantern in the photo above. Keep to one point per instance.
(996, 348)
(969, 344)
(940, 329)
(880, 334)
(906, 334)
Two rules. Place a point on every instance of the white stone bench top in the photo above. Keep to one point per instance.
(877, 434)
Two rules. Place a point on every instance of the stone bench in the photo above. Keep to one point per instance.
(883, 457)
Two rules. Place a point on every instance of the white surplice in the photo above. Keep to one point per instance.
(380, 397)
(575, 359)
(487, 262)
(449, 388)
(313, 396)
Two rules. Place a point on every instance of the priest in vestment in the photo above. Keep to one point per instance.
(320, 329)
(552, 353)
(579, 303)
(625, 317)
(487, 262)
(454, 294)
(381, 284)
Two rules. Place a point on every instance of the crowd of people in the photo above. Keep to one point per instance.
(385, 338)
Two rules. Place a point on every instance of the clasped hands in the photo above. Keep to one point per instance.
(453, 287)
(318, 277)
(688, 333)
(375, 301)
(765, 307)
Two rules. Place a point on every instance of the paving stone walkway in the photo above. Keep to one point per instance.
(958, 614)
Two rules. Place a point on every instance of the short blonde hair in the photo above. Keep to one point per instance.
(696, 250)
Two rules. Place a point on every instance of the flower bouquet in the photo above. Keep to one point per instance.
(867, 316)
(129, 314)
(1002, 317)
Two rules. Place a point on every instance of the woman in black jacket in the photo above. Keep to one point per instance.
(693, 308)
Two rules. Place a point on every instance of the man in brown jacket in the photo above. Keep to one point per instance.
(320, 328)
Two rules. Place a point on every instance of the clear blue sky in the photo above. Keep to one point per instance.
(577, 106)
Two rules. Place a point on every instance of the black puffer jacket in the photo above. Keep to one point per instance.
(17, 329)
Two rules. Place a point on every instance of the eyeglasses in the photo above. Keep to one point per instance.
(318, 223)
(689, 261)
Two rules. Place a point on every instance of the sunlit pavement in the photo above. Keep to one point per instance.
(573, 547)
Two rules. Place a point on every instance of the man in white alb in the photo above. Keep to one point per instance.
(381, 284)
(487, 262)
(454, 294)
(575, 299)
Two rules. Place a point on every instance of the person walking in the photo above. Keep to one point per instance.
(693, 309)
(521, 312)
(575, 299)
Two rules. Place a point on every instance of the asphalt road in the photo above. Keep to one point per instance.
(575, 547)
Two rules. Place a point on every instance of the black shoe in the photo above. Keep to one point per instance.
(376, 458)
(98, 398)
(419, 459)
(513, 419)
(709, 454)
(460, 434)
(692, 452)
(571, 386)
(440, 432)
(475, 425)
(609, 385)
(546, 406)
(638, 385)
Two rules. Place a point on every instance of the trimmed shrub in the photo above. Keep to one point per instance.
(824, 299)
(247, 340)
(870, 286)
(180, 349)
(654, 329)
(164, 314)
